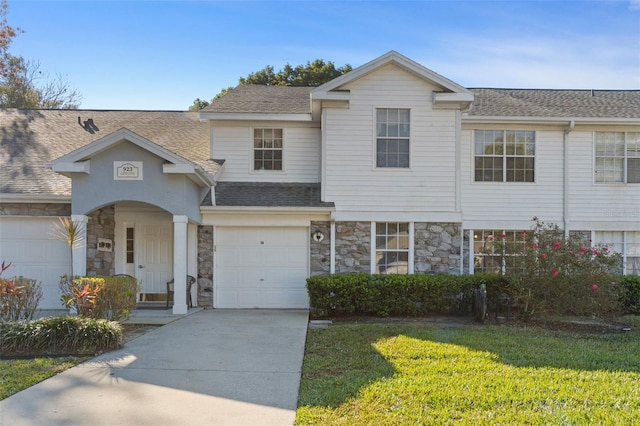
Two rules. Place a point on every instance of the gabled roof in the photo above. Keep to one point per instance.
(451, 92)
(555, 103)
(32, 139)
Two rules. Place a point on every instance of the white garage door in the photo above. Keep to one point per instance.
(26, 243)
(261, 268)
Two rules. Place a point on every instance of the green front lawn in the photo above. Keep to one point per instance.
(19, 374)
(422, 373)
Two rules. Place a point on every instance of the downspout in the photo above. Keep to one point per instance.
(565, 174)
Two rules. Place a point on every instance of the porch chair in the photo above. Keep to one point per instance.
(190, 282)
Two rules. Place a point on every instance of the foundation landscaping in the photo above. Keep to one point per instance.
(557, 341)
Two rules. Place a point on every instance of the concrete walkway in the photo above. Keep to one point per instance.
(214, 367)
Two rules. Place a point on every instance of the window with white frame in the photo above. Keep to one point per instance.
(267, 149)
(504, 155)
(393, 127)
(392, 248)
(627, 243)
(617, 157)
(485, 255)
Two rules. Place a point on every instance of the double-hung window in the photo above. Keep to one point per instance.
(504, 155)
(392, 248)
(392, 137)
(267, 149)
(617, 157)
(627, 243)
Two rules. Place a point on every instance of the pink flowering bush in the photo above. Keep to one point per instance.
(558, 275)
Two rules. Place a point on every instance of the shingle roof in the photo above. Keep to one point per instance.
(263, 194)
(31, 139)
(255, 99)
(556, 103)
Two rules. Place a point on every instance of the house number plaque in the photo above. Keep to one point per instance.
(127, 170)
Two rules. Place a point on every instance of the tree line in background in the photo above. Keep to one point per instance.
(312, 74)
(23, 83)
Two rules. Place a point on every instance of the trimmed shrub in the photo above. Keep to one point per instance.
(109, 297)
(630, 293)
(399, 295)
(62, 335)
(19, 298)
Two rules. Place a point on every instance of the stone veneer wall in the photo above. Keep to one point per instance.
(353, 247)
(101, 224)
(320, 252)
(35, 209)
(205, 266)
(438, 248)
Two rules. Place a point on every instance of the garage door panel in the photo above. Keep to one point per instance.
(261, 267)
(26, 242)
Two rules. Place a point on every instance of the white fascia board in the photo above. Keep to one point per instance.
(195, 173)
(35, 198)
(76, 167)
(182, 168)
(452, 97)
(479, 119)
(254, 117)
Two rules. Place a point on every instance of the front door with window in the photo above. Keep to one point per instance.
(154, 260)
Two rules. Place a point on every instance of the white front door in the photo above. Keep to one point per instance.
(154, 256)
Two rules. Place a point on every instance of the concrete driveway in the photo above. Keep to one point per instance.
(215, 367)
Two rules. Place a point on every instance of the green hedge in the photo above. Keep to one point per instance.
(442, 294)
(399, 295)
(630, 294)
(62, 335)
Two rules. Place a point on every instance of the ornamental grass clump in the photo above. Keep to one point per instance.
(554, 274)
(61, 335)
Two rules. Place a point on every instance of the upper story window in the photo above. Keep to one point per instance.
(504, 155)
(267, 149)
(393, 127)
(617, 157)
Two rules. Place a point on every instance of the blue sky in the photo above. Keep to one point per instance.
(161, 55)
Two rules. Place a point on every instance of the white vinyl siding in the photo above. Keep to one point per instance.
(499, 204)
(234, 143)
(352, 179)
(590, 201)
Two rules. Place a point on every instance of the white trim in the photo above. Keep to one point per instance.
(192, 259)
(36, 198)
(252, 150)
(332, 248)
(498, 119)
(397, 216)
(372, 249)
(412, 240)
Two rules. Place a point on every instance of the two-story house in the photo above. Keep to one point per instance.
(390, 168)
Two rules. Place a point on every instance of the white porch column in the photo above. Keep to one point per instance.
(79, 249)
(180, 264)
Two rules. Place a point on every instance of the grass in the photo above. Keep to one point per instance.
(19, 374)
(417, 373)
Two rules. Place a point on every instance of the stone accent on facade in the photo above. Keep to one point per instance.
(320, 251)
(205, 266)
(35, 209)
(353, 247)
(437, 248)
(101, 224)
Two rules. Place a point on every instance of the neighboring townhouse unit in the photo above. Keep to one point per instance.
(390, 168)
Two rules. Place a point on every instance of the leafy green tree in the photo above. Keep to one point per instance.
(23, 84)
(312, 74)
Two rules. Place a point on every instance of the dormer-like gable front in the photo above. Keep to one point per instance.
(390, 140)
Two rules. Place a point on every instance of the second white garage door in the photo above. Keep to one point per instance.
(27, 244)
(261, 268)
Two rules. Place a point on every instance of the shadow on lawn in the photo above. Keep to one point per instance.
(342, 360)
